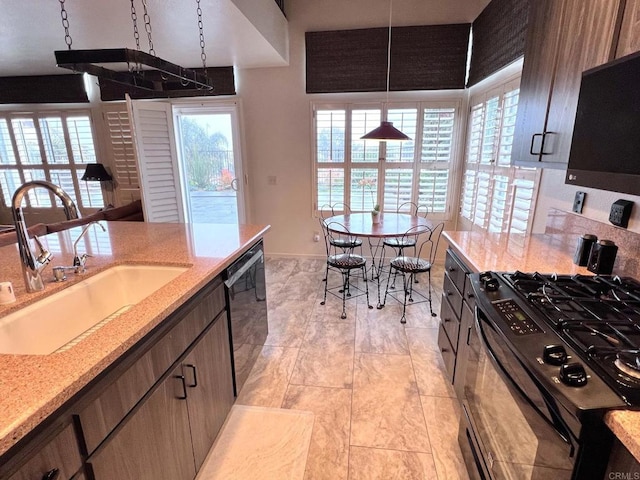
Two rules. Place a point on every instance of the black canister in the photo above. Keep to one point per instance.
(602, 258)
(583, 249)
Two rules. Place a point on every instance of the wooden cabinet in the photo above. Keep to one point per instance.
(209, 380)
(154, 442)
(169, 432)
(61, 453)
(564, 38)
(451, 308)
(629, 39)
(153, 414)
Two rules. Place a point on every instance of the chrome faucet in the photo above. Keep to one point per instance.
(79, 261)
(33, 265)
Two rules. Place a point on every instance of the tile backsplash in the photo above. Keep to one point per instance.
(628, 258)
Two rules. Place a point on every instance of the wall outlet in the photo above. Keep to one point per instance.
(578, 202)
(620, 213)
(316, 236)
(272, 180)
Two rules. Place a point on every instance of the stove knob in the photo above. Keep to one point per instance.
(491, 285)
(573, 374)
(554, 355)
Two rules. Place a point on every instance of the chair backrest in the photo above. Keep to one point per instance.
(429, 246)
(414, 209)
(338, 207)
(432, 242)
(326, 211)
(336, 234)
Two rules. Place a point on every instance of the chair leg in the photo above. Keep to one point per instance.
(386, 290)
(326, 282)
(430, 305)
(403, 319)
(366, 286)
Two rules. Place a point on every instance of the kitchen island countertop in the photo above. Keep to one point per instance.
(544, 253)
(34, 386)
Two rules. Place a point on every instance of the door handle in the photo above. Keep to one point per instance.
(184, 387)
(195, 375)
(51, 474)
(234, 184)
(533, 139)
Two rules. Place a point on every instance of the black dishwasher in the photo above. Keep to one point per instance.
(247, 300)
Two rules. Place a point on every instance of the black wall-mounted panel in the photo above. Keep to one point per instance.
(43, 89)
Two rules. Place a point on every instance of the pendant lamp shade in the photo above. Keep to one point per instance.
(386, 131)
(96, 172)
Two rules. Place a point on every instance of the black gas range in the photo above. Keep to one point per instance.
(547, 356)
(598, 317)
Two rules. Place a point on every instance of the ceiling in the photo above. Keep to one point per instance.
(243, 33)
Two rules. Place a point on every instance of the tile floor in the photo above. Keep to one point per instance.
(383, 407)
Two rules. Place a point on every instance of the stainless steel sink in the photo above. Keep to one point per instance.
(62, 319)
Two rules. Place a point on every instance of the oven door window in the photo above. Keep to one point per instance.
(518, 440)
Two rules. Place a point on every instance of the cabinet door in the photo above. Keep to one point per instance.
(587, 41)
(208, 374)
(629, 40)
(60, 454)
(154, 443)
(466, 324)
(543, 35)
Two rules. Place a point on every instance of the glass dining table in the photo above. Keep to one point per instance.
(391, 225)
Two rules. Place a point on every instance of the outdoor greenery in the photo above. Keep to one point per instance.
(208, 159)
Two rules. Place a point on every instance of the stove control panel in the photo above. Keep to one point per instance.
(554, 354)
(518, 321)
(573, 374)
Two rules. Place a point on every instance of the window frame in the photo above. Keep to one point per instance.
(493, 169)
(454, 102)
(47, 167)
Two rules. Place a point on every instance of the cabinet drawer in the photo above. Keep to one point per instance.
(104, 413)
(448, 355)
(456, 270)
(450, 322)
(452, 294)
(61, 453)
(469, 295)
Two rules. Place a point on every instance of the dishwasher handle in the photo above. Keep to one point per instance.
(258, 256)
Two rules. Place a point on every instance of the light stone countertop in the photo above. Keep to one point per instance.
(546, 253)
(32, 387)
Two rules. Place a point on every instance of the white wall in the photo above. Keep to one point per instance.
(277, 116)
(554, 193)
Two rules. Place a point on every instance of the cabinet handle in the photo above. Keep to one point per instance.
(445, 320)
(51, 474)
(452, 269)
(184, 387)
(449, 293)
(533, 139)
(195, 375)
(468, 335)
(470, 295)
(444, 350)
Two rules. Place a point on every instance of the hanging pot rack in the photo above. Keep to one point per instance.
(89, 61)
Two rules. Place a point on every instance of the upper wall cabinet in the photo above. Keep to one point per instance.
(629, 41)
(564, 38)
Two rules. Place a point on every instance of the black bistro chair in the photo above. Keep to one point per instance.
(346, 242)
(409, 266)
(399, 244)
(344, 261)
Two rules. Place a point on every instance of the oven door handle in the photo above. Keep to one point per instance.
(560, 428)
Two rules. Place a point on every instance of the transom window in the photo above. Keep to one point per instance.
(363, 173)
(52, 146)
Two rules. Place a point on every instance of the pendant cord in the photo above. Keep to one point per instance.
(389, 50)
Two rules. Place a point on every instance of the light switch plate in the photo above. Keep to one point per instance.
(578, 202)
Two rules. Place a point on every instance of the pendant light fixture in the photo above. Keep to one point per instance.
(386, 131)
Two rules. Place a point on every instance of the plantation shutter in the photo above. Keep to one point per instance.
(157, 161)
(495, 196)
(124, 167)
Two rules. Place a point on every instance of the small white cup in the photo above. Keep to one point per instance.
(7, 295)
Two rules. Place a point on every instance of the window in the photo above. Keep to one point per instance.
(52, 146)
(361, 173)
(495, 196)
